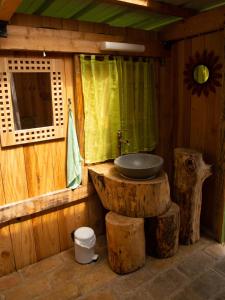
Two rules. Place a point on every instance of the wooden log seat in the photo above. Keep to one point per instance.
(190, 173)
(126, 243)
(162, 233)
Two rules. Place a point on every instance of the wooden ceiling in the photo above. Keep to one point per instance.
(140, 14)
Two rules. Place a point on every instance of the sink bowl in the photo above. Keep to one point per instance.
(139, 165)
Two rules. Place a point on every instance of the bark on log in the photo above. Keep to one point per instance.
(190, 173)
(126, 243)
(131, 198)
(162, 233)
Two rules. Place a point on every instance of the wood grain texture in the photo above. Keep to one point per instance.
(27, 39)
(23, 244)
(162, 233)
(15, 188)
(146, 199)
(39, 204)
(7, 262)
(67, 224)
(33, 127)
(195, 122)
(96, 214)
(152, 7)
(27, 174)
(2, 195)
(195, 25)
(65, 217)
(46, 235)
(87, 29)
(13, 174)
(125, 242)
(79, 104)
(190, 173)
(81, 214)
(8, 8)
(166, 113)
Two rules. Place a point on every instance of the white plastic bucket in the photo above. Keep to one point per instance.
(84, 243)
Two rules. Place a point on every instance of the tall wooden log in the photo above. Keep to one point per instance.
(190, 173)
(162, 233)
(126, 243)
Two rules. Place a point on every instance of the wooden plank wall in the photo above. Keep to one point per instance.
(192, 121)
(35, 169)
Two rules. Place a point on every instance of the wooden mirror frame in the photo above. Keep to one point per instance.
(211, 61)
(9, 65)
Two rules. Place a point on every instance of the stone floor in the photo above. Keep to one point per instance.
(197, 272)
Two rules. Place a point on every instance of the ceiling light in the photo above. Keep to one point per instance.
(113, 46)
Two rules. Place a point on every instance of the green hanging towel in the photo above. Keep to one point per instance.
(74, 159)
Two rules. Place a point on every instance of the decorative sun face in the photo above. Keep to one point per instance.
(202, 73)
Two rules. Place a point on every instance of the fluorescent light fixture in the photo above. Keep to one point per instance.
(113, 46)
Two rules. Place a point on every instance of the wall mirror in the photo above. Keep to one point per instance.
(202, 73)
(31, 100)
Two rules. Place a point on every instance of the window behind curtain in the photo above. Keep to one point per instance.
(119, 93)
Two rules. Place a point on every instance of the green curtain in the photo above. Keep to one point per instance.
(101, 107)
(137, 85)
(119, 93)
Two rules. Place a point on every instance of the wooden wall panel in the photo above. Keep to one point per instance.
(7, 262)
(2, 195)
(195, 121)
(15, 188)
(13, 174)
(23, 243)
(165, 113)
(96, 214)
(66, 217)
(67, 223)
(32, 170)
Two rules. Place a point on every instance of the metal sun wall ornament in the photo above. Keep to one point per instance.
(202, 73)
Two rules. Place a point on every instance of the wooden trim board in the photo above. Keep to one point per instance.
(153, 7)
(8, 8)
(24, 208)
(28, 39)
(195, 25)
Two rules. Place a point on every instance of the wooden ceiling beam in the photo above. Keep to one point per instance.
(8, 8)
(151, 6)
(195, 25)
(24, 38)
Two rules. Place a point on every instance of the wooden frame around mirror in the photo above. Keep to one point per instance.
(210, 61)
(9, 65)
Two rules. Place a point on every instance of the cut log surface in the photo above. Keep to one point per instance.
(190, 173)
(126, 243)
(162, 233)
(132, 198)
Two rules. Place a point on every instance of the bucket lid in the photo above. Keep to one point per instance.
(84, 233)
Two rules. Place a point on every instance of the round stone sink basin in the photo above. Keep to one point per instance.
(139, 165)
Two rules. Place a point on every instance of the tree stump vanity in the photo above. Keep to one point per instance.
(130, 201)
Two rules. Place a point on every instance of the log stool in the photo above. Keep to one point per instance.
(126, 242)
(162, 233)
(190, 173)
